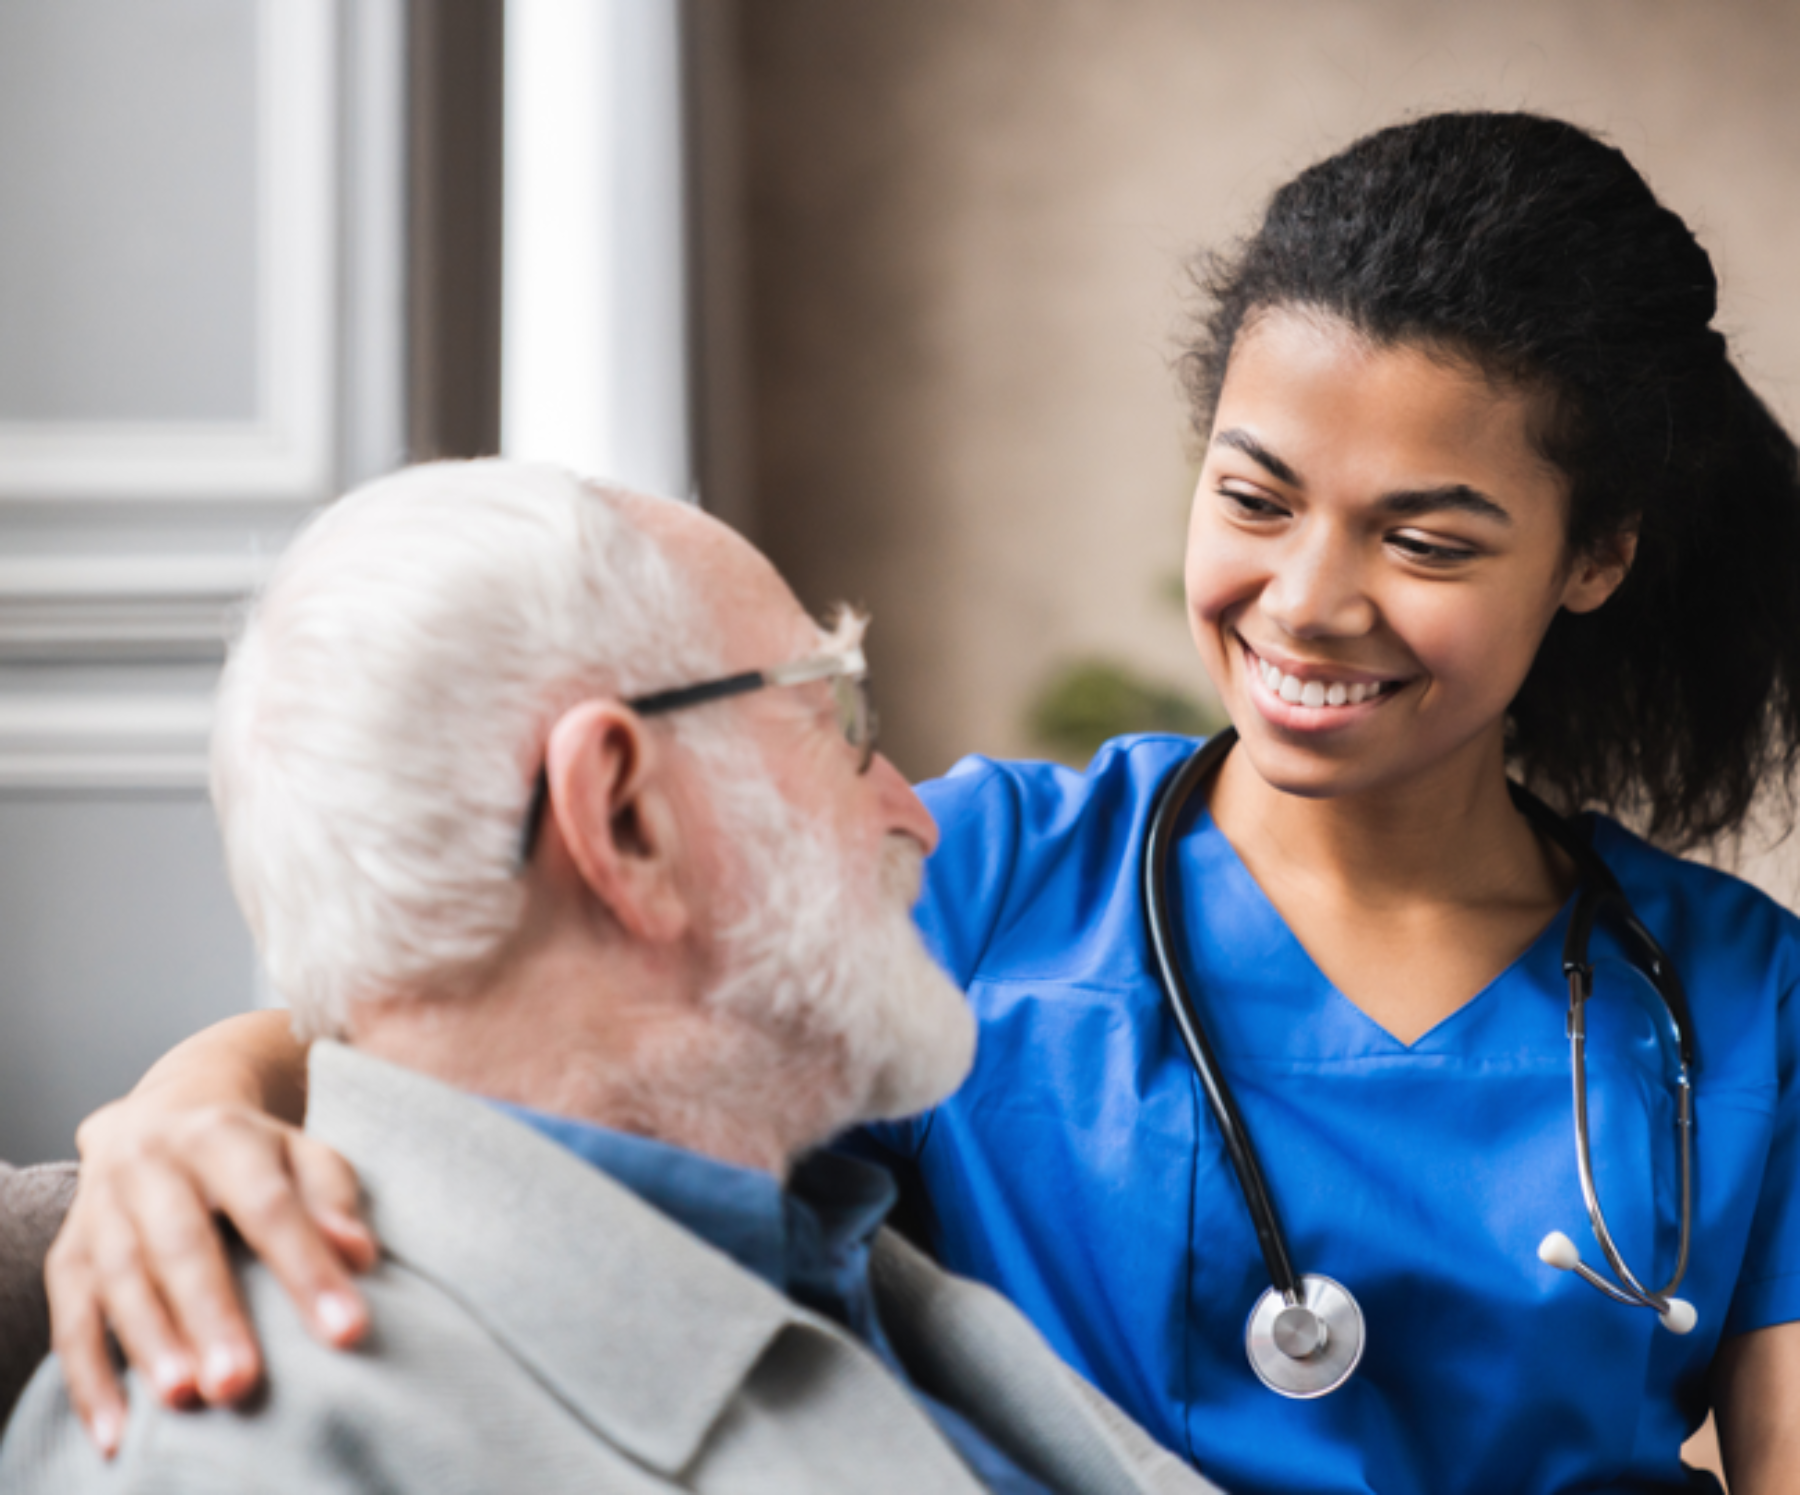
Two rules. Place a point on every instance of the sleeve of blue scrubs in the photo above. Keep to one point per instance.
(1768, 1289)
(976, 806)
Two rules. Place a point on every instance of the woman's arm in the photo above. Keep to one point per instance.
(211, 1130)
(1756, 1399)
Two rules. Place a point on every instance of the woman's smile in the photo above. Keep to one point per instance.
(1376, 553)
(1302, 697)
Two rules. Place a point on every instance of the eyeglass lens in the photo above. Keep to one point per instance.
(856, 716)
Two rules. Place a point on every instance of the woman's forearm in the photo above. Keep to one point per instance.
(1756, 1398)
(253, 1060)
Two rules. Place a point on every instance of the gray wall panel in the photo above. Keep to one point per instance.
(128, 189)
(118, 937)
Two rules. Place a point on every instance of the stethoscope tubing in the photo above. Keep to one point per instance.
(1175, 793)
(1600, 894)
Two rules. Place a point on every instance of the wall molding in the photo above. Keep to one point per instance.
(104, 741)
(99, 609)
(287, 453)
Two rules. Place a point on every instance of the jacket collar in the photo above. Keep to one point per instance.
(563, 1266)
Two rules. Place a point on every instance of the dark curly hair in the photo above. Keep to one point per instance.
(1530, 249)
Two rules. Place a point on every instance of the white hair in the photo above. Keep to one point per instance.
(383, 714)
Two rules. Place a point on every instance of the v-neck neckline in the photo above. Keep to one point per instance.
(1432, 1040)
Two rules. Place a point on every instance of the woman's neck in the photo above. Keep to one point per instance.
(1448, 836)
(1412, 901)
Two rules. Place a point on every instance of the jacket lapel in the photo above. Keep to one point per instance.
(968, 1346)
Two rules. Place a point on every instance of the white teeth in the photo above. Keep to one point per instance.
(1314, 692)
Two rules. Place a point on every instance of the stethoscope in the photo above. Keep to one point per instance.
(1306, 1333)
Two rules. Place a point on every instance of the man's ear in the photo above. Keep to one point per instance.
(614, 814)
(1596, 573)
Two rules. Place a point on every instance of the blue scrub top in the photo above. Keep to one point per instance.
(1079, 1172)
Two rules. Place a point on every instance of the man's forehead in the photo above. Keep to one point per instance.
(754, 608)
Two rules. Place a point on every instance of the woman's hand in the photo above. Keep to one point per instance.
(142, 1250)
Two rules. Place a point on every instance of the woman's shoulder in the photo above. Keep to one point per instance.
(1736, 949)
(1734, 906)
(1020, 836)
(1035, 794)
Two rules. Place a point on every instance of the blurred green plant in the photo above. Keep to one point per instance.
(1088, 701)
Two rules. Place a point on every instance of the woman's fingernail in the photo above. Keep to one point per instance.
(222, 1366)
(105, 1429)
(338, 1315)
(172, 1376)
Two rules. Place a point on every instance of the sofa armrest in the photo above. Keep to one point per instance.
(33, 1202)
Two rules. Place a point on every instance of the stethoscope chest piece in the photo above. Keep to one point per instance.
(1309, 1348)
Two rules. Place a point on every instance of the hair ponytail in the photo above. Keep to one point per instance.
(1679, 700)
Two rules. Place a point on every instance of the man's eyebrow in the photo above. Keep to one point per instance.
(1459, 498)
(1244, 442)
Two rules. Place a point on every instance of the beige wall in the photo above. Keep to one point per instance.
(966, 224)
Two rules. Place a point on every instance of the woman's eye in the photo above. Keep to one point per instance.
(1252, 505)
(1431, 552)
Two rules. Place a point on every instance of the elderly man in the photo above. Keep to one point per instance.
(561, 826)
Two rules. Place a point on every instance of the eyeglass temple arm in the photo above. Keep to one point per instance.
(697, 695)
(650, 705)
(824, 667)
(849, 662)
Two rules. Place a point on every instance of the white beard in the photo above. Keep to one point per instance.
(808, 955)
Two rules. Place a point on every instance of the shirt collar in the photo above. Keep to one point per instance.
(831, 1208)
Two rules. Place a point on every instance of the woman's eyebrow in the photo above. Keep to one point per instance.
(1457, 497)
(1243, 441)
(1406, 504)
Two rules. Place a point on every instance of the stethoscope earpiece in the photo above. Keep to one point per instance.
(1557, 1250)
(1680, 1317)
(1677, 1315)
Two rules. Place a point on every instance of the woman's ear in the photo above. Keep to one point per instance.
(613, 812)
(1597, 573)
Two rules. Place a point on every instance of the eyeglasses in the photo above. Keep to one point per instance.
(846, 669)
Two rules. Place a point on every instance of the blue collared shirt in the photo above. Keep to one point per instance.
(810, 1241)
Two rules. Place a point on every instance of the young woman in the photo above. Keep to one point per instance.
(1481, 488)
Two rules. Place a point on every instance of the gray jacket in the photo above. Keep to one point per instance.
(537, 1327)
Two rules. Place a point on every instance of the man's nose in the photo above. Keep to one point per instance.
(902, 811)
(1318, 589)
